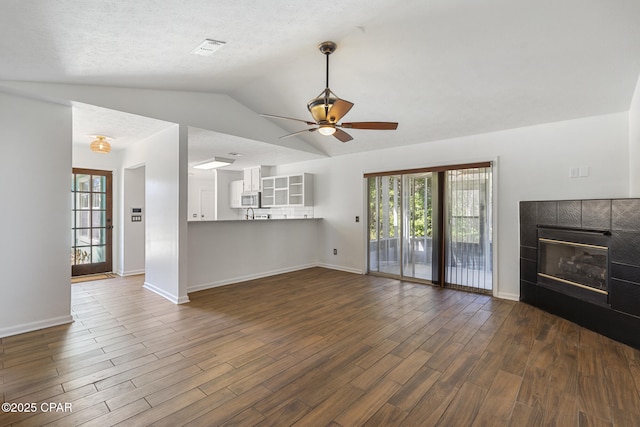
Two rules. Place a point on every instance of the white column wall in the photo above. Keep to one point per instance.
(35, 192)
(133, 236)
(160, 156)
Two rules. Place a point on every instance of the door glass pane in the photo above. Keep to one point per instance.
(83, 201)
(98, 201)
(97, 254)
(97, 236)
(373, 222)
(82, 255)
(83, 219)
(82, 182)
(98, 218)
(417, 238)
(99, 183)
(468, 232)
(389, 221)
(83, 236)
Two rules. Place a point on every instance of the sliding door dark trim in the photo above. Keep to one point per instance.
(430, 169)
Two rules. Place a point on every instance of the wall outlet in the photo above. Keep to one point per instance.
(357, 219)
(335, 252)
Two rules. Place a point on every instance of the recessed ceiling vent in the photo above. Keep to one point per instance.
(208, 47)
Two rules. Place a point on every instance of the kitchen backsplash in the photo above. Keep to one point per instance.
(279, 213)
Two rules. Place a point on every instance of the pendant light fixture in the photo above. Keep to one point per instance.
(100, 144)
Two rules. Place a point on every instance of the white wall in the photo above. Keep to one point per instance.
(533, 164)
(83, 157)
(202, 180)
(133, 233)
(35, 242)
(634, 144)
(232, 251)
(163, 155)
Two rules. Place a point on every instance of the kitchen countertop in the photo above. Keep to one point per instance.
(257, 220)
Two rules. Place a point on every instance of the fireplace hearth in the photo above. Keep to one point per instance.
(580, 259)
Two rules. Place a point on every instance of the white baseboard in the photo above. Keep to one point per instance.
(129, 273)
(34, 326)
(174, 299)
(203, 286)
(509, 296)
(341, 268)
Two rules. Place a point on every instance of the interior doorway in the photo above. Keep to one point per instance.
(91, 221)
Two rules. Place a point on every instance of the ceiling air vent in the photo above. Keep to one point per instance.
(207, 47)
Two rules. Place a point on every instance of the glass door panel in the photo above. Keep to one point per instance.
(385, 224)
(468, 242)
(418, 228)
(91, 222)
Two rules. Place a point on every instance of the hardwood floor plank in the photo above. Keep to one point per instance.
(388, 416)
(414, 389)
(230, 409)
(327, 410)
(116, 416)
(464, 407)
(316, 347)
(497, 406)
(367, 405)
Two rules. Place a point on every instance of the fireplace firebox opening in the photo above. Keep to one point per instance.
(576, 264)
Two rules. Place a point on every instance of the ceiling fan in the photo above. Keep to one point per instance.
(327, 110)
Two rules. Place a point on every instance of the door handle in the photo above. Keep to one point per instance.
(109, 227)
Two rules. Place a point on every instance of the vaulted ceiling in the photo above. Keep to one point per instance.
(441, 68)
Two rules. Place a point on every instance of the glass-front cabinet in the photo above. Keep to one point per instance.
(287, 190)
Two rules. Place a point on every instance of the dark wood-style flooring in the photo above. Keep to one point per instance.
(316, 348)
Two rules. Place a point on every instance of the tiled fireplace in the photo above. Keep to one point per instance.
(580, 259)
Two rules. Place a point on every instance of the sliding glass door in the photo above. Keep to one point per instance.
(468, 243)
(432, 225)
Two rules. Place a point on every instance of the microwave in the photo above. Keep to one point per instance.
(250, 199)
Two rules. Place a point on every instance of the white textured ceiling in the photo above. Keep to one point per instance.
(441, 68)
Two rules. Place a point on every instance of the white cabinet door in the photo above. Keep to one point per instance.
(235, 193)
(252, 178)
(268, 192)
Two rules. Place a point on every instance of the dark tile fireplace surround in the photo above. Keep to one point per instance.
(580, 260)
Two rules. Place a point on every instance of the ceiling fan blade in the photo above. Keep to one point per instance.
(339, 109)
(371, 125)
(288, 118)
(299, 132)
(342, 135)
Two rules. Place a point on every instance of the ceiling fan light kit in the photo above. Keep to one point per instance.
(100, 145)
(327, 110)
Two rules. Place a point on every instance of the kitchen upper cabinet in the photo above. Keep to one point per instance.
(235, 193)
(301, 190)
(253, 177)
(287, 190)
